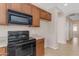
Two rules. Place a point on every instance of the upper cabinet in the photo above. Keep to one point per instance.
(15, 6)
(3, 14)
(36, 16)
(45, 15)
(27, 8)
(20, 7)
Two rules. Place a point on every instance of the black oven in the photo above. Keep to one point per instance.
(15, 17)
(22, 49)
(20, 44)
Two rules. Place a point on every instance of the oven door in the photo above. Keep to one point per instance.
(22, 49)
(25, 49)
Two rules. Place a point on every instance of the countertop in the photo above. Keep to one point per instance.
(3, 41)
(37, 37)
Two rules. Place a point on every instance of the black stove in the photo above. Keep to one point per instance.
(20, 44)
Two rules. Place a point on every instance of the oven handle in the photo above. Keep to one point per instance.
(24, 43)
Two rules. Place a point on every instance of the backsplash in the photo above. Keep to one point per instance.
(33, 30)
(43, 30)
(3, 31)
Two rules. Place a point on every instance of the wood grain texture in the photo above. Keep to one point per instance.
(3, 51)
(27, 8)
(36, 17)
(3, 14)
(40, 47)
(15, 6)
(45, 15)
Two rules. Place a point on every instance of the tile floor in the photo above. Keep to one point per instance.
(69, 49)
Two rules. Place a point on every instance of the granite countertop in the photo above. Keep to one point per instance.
(3, 41)
(37, 37)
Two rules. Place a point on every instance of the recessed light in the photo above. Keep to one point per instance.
(65, 4)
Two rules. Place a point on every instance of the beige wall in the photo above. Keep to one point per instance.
(3, 31)
(43, 30)
(53, 31)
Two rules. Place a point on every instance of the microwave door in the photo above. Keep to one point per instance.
(19, 18)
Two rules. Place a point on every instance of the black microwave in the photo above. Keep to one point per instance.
(15, 17)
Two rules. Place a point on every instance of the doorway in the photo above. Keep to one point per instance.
(74, 32)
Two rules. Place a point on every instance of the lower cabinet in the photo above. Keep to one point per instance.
(3, 51)
(40, 47)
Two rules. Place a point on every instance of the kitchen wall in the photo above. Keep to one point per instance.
(3, 31)
(53, 32)
(67, 25)
(52, 42)
(61, 29)
(38, 31)
(42, 31)
(58, 33)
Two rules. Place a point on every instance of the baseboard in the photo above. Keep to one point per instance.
(53, 47)
(62, 42)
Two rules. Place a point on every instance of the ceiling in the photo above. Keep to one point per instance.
(69, 9)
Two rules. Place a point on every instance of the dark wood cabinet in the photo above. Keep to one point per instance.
(40, 47)
(36, 16)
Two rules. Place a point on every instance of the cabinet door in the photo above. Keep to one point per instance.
(3, 52)
(26, 8)
(42, 14)
(48, 16)
(15, 6)
(45, 15)
(40, 47)
(36, 16)
(3, 14)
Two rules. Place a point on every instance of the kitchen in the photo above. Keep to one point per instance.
(30, 11)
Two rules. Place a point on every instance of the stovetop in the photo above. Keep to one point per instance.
(22, 41)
